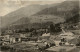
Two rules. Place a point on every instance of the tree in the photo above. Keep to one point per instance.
(57, 27)
(52, 28)
(26, 30)
(32, 29)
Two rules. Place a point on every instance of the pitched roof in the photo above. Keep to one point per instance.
(46, 34)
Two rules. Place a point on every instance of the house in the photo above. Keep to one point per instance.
(22, 35)
(57, 40)
(12, 40)
(24, 39)
(1, 38)
(67, 35)
(25, 34)
(15, 38)
(29, 34)
(1, 43)
(32, 38)
(6, 42)
(9, 31)
(42, 30)
(44, 36)
(6, 37)
(74, 41)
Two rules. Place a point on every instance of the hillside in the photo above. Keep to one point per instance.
(67, 11)
(21, 13)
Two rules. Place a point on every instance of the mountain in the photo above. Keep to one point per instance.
(23, 12)
(67, 11)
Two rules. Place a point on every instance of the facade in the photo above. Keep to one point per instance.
(8, 31)
(6, 37)
(46, 34)
(67, 35)
(15, 38)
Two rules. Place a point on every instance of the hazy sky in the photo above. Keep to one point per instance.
(7, 6)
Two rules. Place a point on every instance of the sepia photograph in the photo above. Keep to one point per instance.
(39, 26)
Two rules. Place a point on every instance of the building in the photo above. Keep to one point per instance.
(15, 38)
(67, 35)
(8, 32)
(44, 36)
(6, 37)
(1, 38)
(22, 35)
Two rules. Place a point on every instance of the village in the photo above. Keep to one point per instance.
(64, 41)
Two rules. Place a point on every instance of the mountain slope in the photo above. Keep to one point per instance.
(22, 12)
(67, 9)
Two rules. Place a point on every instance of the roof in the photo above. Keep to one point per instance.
(74, 41)
(46, 34)
(44, 37)
(16, 36)
(67, 33)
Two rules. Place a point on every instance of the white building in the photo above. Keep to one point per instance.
(15, 38)
(67, 35)
(46, 34)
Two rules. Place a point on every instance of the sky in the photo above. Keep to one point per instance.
(7, 6)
